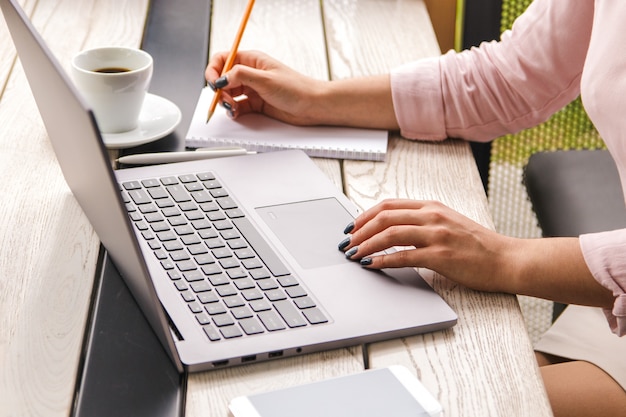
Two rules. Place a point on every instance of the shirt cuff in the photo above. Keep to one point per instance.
(605, 255)
(417, 100)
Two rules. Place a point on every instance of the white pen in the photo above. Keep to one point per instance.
(169, 157)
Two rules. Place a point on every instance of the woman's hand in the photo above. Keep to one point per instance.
(443, 240)
(271, 87)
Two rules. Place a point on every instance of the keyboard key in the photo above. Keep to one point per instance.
(260, 305)
(200, 286)
(195, 186)
(226, 290)
(315, 316)
(188, 296)
(169, 180)
(227, 203)
(187, 178)
(218, 279)
(271, 320)
(304, 302)
(131, 185)
(230, 332)
(215, 308)
(295, 292)
(208, 297)
(211, 333)
(260, 273)
(195, 307)
(181, 285)
(193, 276)
(191, 239)
(139, 197)
(287, 281)
(158, 193)
(267, 284)
(234, 301)
(251, 326)
(275, 295)
(252, 294)
(289, 313)
(205, 176)
(223, 320)
(149, 183)
(203, 318)
(244, 284)
(186, 266)
(241, 312)
(178, 193)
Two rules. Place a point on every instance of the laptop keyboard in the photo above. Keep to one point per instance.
(229, 277)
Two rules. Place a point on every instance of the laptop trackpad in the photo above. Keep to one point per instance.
(310, 230)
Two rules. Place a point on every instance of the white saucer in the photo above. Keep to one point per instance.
(158, 118)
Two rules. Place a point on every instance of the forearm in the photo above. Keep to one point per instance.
(359, 102)
(554, 269)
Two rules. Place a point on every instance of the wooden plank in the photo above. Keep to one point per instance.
(292, 32)
(489, 350)
(7, 49)
(48, 248)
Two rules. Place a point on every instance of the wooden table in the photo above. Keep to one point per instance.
(484, 366)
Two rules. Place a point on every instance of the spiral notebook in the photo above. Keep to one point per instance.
(259, 133)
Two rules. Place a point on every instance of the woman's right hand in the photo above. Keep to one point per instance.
(271, 88)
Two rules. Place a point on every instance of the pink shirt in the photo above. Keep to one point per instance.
(556, 50)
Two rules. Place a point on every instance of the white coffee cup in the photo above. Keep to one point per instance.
(114, 82)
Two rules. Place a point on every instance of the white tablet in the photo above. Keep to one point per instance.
(392, 391)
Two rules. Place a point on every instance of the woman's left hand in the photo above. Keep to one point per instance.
(442, 239)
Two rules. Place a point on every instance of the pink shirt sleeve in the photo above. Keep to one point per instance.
(500, 87)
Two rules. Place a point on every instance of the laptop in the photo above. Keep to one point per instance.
(231, 260)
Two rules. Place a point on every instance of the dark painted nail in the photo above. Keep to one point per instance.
(348, 228)
(211, 85)
(221, 82)
(366, 261)
(351, 252)
(227, 105)
(230, 114)
(344, 243)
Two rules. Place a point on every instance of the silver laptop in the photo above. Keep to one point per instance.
(231, 260)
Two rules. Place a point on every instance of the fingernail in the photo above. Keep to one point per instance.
(211, 85)
(227, 105)
(230, 114)
(344, 243)
(221, 82)
(366, 261)
(351, 252)
(348, 228)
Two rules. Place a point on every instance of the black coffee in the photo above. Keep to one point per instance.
(112, 70)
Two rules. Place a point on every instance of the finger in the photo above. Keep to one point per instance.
(400, 259)
(215, 66)
(390, 204)
(395, 236)
(394, 225)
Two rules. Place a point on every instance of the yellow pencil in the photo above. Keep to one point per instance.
(231, 56)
